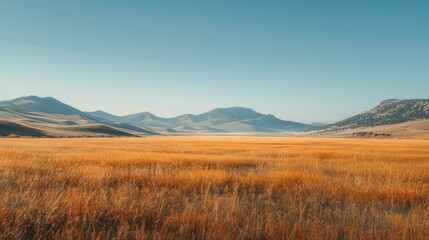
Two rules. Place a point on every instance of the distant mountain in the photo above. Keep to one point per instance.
(35, 106)
(144, 117)
(390, 111)
(36, 116)
(105, 115)
(275, 124)
(219, 120)
(38, 104)
(232, 113)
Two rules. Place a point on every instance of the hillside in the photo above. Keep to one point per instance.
(389, 112)
(418, 129)
(393, 118)
(8, 128)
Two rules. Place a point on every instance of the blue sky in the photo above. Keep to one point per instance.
(299, 60)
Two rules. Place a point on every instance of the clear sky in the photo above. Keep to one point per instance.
(299, 60)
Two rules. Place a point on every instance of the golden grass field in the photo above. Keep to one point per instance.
(214, 188)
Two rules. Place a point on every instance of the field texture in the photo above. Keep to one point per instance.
(214, 188)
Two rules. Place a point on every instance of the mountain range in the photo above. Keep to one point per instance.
(48, 117)
(219, 120)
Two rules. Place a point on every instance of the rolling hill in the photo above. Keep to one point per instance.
(219, 120)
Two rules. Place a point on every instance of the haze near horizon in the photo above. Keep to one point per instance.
(302, 61)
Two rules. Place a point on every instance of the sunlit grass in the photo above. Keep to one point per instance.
(214, 188)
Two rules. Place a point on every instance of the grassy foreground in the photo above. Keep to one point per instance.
(214, 188)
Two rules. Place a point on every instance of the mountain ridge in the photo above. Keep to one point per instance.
(218, 120)
(44, 116)
(57, 119)
(48, 113)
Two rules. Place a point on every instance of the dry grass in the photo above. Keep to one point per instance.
(214, 188)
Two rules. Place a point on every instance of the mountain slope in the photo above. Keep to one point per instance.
(104, 115)
(9, 128)
(389, 112)
(271, 122)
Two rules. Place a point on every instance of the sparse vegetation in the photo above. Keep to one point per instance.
(214, 188)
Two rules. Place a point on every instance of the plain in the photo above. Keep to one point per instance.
(214, 188)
